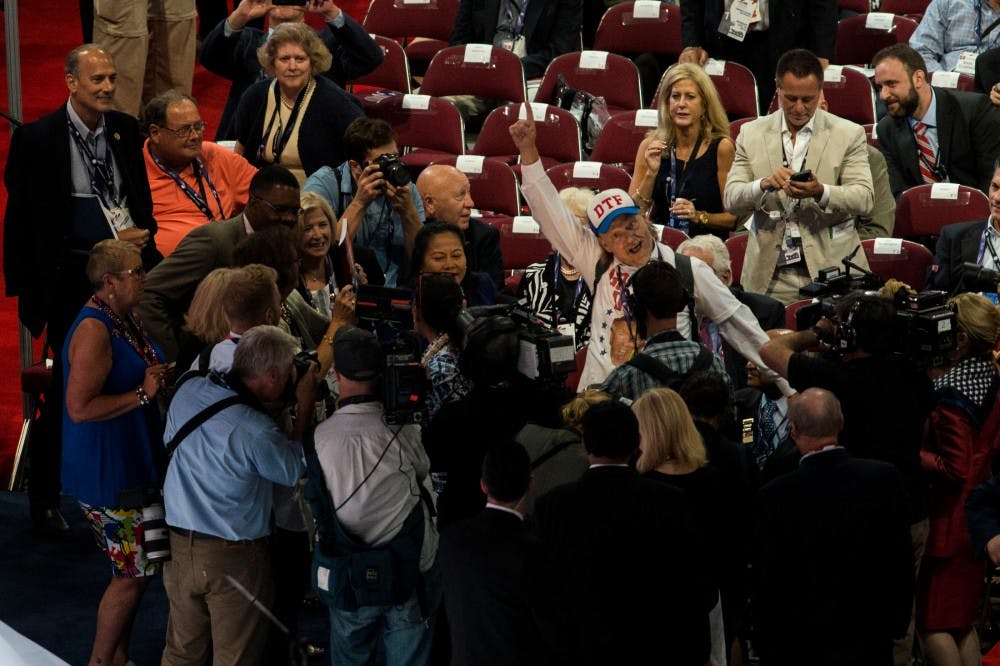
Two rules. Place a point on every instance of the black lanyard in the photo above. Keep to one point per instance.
(283, 134)
(784, 157)
(199, 200)
(101, 172)
(675, 186)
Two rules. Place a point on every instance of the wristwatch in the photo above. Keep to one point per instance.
(702, 217)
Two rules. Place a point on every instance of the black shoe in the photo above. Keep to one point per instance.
(49, 522)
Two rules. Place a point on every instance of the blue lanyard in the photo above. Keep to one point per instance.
(518, 26)
(984, 244)
(101, 172)
(199, 200)
(677, 187)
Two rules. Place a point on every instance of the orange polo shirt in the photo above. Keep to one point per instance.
(174, 211)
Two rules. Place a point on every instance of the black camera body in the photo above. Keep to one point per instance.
(388, 313)
(829, 286)
(544, 355)
(393, 170)
(301, 363)
(978, 278)
(927, 326)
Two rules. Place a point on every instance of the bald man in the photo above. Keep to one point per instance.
(447, 198)
(833, 543)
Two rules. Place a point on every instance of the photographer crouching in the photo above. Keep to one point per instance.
(227, 452)
(885, 396)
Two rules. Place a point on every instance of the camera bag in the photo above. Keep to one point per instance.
(349, 574)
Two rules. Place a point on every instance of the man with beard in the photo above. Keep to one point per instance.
(932, 135)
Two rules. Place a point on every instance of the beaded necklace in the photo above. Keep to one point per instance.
(131, 330)
(439, 342)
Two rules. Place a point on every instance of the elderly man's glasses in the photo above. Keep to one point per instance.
(187, 130)
(280, 211)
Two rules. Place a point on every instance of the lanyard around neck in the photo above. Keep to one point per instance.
(199, 200)
(283, 134)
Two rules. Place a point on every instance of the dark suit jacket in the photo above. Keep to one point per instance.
(483, 250)
(493, 594)
(809, 25)
(987, 70)
(551, 28)
(957, 244)
(170, 287)
(354, 52)
(833, 574)
(43, 266)
(968, 141)
(770, 313)
(621, 545)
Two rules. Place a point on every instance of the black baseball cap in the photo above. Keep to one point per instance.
(357, 354)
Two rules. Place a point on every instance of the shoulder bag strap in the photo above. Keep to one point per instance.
(195, 421)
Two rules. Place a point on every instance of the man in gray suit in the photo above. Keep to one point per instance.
(803, 174)
(274, 199)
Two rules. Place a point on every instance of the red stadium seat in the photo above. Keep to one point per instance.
(919, 216)
(392, 74)
(501, 77)
(737, 89)
(431, 20)
(558, 135)
(734, 126)
(580, 174)
(673, 237)
(909, 265)
(619, 141)
(608, 75)
(621, 31)
(857, 43)
(737, 246)
(790, 311)
(521, 249)
(850, 96)
(492, 183)
(428, 128)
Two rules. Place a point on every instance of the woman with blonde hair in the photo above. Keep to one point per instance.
(206, 318)
(671, 450)
(295, 118)
(681, 166)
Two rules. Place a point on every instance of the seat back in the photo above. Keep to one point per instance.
(393, 73)
(608, 75)
(735, 125)
(858, 39)
(737, 246)
(422, 122)
(619, 141)
(943, 79)
(736, 85)
(492, 183)
(475, 69)
(673, 237)
(626, 31)
(912, 8)
(920, 215)
(519, 250)
(909, 264)
(558, 134)
(411, 18)
(591, 175)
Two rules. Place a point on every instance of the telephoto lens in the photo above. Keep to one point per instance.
(156, 536)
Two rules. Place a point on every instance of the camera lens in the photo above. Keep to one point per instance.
(155, 533)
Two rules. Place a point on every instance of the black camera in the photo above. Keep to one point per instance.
(978, 278)
(544, 354)
(926, 325)
(393, 170)
(155, 532)
(301, 363)
(388, 313)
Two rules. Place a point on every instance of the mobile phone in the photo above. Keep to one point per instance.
(801, 176)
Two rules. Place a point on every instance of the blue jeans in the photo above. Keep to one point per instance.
(405, 632)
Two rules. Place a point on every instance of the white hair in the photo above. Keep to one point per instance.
(720, 253)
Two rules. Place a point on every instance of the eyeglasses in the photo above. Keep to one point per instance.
(138, 273)
(185, 132)
(280, 211)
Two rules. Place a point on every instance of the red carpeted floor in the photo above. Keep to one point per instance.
(47, 33)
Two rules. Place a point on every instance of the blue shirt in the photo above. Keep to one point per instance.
(337, 187)
(948, 29)
(220, 478)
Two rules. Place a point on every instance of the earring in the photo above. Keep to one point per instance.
(111, 296)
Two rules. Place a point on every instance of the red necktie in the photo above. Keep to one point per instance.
(925, 154)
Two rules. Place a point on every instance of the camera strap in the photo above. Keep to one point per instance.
(198, 419)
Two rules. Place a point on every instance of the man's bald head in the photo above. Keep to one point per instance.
(816, 419)
(445, 193)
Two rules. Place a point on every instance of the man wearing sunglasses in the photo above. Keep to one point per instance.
(192, 181)
(273, 200)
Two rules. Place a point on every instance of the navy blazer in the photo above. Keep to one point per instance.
(42, 265)
(957, 244)
(551, 28)
(354, 52)
(832, 543)
(968, 142)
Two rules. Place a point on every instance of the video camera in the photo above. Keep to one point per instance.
(978, 278)
(924, 326)
(386, 312)
(544, 355)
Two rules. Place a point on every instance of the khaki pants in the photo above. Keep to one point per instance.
(153, 45)
(210, 620)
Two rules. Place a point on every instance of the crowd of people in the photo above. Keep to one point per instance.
(282, 374)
